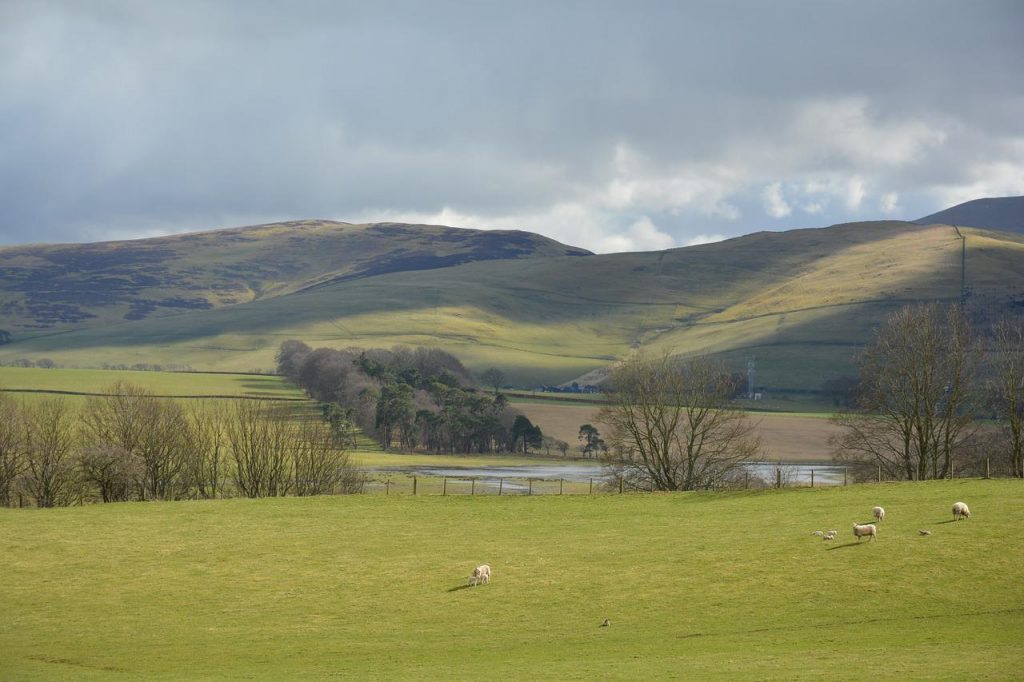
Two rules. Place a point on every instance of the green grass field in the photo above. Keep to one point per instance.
(722, 586)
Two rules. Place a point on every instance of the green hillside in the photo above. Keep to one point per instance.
(695, 586)
(68, 286)
(801, 302)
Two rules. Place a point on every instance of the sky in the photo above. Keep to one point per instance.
(614, 126)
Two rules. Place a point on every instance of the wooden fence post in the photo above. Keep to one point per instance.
(591, 486)
(413, 485)
(879, 473)
(846, 471)
(444, 490)
(472, 487)
(746, 480)
(812, 478)
(530, 489)
(387, 486)
(620, 485)
(501, 484)
(560, 482)
(988, 469)
(778, 477)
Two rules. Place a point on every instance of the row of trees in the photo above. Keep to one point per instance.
(935, 396)
(131, 445)
(408, 398)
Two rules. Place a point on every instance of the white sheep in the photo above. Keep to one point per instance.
(834, 533)
(960, 511)
(818, 533)
(867, 529)
(879, 513)
(481, 574)
(829, 536)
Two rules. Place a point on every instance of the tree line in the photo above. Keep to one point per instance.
(409, 398)
(131, 445)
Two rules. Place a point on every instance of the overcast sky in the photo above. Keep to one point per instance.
(613, 126)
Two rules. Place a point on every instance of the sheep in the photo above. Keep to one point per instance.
(829, 536)
(867, 529)
(924, 532)
(833, 533)
(879, 513)
(819, 533)
(960, 511)
(481, 574)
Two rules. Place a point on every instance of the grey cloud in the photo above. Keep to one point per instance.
(174, 116)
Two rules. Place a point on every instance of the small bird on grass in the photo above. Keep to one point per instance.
(606, 622)
(925, 532)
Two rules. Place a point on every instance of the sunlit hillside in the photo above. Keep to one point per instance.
(799, 302)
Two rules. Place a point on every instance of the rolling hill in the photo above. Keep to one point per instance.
(72, 285)
(800, 302)
(1003, 214)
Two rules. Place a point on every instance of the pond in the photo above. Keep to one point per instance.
(793, 473)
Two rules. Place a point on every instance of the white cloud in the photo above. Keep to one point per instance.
(704, 239)
(889, 203)
(774, 204)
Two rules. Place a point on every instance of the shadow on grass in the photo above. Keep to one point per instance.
(460, 587)
(848, 544)
(946, 521)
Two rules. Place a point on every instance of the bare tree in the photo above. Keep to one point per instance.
(916, 397)
(1006, 388)
(205, 449)
(260, 438)
(670, 423)
(12, 444)
(492, 376)
(49, 475)
(114, 471)
(320, 466)
(150, 428)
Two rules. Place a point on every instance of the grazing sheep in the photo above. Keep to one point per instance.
(960, 511)
(818, 532)
(924, 532)
(867, 529)
(879, 513)
(829, 536)
(481, 574)
(833, 533)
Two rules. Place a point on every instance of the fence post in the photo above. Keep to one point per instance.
(560, 482)
(879, 473)
(988, 469)
(591, 487)
(778, 477)
(472, 487)
(812, 478)
(530, 490)
(746, 480)
(845, 472)
(620, 485)
(444, 490)
(413, 485)
(387, 486)
(501, 484)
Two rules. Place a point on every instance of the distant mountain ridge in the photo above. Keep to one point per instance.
(798, 303)
(56, 286)
(1004, 214)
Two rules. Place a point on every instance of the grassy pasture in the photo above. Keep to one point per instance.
(719, 586)
(177, 384)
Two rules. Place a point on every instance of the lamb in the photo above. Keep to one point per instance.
(960, 511)
(879, 513)
(867, 529)
(829, 536)
(481, 574)
(818, 532)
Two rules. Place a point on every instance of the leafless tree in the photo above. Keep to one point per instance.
(12, 446)
(320, 467)
(113, 471)
(153, 429)
(670, 423)
(50, 476)
(916, 397)
(205, 447)
(260, 438)
(1006, 389)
